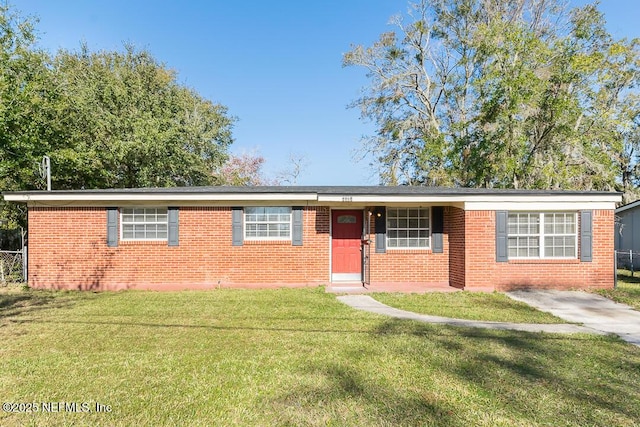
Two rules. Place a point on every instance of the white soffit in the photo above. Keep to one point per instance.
(464, 201)
(540, 205)
(160, 197)
(487, 202)
(381, 199)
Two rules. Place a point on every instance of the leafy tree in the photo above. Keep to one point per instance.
(246, 169)
(243, 169)
(520, 94)
(127, 123)
(106, 119)
(25, 92)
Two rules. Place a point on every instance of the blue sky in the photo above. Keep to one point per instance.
(277, 65)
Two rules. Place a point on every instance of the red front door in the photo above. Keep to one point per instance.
(346, 255)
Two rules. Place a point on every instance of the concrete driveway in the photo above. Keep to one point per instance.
(592, 311)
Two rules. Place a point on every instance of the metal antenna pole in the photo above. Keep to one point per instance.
(46, 161)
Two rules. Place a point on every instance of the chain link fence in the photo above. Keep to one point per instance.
(628, 260)
(12, 267)
(13, 256)
(627, 266)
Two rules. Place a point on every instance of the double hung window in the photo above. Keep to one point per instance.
(542, 235)
(408, 228)
(143, 224)
(267, 222)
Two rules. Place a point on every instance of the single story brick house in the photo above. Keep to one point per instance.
(387, 238)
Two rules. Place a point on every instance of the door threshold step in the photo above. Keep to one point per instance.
(346, 288)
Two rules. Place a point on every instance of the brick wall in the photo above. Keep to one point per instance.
(413, 269)
(455, 217)
(484, 273)
(67, 249)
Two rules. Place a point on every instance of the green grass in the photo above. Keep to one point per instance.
(296, 357)
(627, 290)
(468, 305)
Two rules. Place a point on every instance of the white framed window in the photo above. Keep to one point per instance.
(408, 228)
(524, 235)
(267, 223)
(143, 223)
(560, 235)
(542, 235)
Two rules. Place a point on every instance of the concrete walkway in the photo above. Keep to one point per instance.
(597, 314)
(593, 311)
(366, 303)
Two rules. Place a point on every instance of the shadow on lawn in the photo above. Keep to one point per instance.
(628, 278)
(267, 328)
(29, 301)
(543, 375)
(522, 377)
(343, 388)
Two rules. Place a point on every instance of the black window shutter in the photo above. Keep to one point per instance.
(296, 223)
(586, 236)
(173, 226)
(501, 236)
(112, 227)
(380, 214)
(237, 231)
(437, 223)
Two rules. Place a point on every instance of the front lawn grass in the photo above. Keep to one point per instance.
(627, 289)
(485, 306)
(295, 357)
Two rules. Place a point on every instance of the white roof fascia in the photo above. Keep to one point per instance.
(540, 205)
(160, 203)
(477, 202)
(465, 201)
(373, 199)
(536, 198)
(147, 197)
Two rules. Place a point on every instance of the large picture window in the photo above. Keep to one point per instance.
(144, 223)
(267, 222)
(408, 228)
(542, 235)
